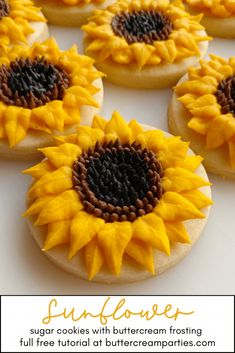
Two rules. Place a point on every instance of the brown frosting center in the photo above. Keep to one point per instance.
(118, 182)
(225, 95)
(4, 9)
(142, 26)
(32, 83)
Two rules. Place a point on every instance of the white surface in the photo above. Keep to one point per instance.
(208, 269)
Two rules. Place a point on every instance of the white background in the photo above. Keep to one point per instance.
(209, 268)
(214, 315)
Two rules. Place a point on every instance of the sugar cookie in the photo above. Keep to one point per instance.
(44, 91)
(136, 201)
(21, 22)
(70, 13)
(218, 16)
(202, 111)
(145, 44)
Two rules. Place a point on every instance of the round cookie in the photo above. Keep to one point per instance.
(218, 16)
(44, 91)
(21, 22)
(202, 112)
(118, 229)
(70, 13)
(145, 44)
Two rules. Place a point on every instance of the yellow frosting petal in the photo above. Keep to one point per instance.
(222, 128)
(16, 123)
(177, 232)
(99, 123)
(113, 239)
(166, 50)
(103, 32)
(112, 45)
(173, 207)
(63, 155)
(220, 11)
(78, 2)
(151, 230)
(205, 106)
(179, 179)
(94, 258)
(184, 39)
(13, 27)
(186, 98)
(173, 151)
(54, 113)
(77, 96)
(136, 129)
(38, 205)
(191, 163)
(197, 198)
(96, 45)
(58, 234)
(215, 69)
(124, 57)
(48, 50)
(71, 116)
(200, 125)
(142, 53)
(52, 183)
(40, 169)
(83, 229)
(87, 137)
(117, 128)
(60, 208)
(141, 253)
(194, 87)
(153, 139)
(60, 140)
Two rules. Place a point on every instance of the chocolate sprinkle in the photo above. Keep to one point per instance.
(142, 26)
(118, 182)
(4, 9)
(225, 95)
(32, 83)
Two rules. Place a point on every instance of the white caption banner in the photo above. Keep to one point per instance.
(117, 323)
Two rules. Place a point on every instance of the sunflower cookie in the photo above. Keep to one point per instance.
(218, 16)
(71, 13)
(145, 44)
(202, 111)
(117, 202)
(21, 23)
(44, 90)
